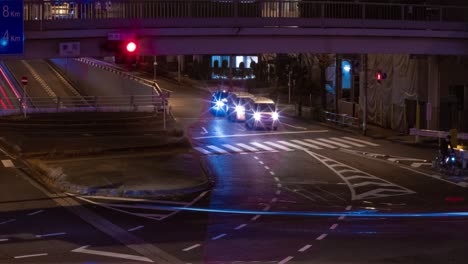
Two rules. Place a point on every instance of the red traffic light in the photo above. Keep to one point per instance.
(131, 47)
(379, 76)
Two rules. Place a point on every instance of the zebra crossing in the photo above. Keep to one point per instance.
(285, 145)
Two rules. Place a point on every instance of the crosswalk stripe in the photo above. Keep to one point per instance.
(202, 150)
(247, 147)
(362, 141)
(215, 148)
(261, 146)
(277, 146)
(320, 143)
(8, 163)
(306, 144)
(232, 148)
(291, 145)
(334, 143)
(348, 142)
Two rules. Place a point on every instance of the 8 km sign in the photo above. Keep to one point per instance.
(11, 27)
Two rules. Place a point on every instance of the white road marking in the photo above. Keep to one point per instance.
(6, 153)
(51, 234)
(110, 254)
(286, 260)
(267, 208)
(306, 144)
(278, 146)
(404, 159)
(255, 157)
(8, 163)
(297, 127)
(215, 148)
(202, 150)
(3, 239)
(277, 179)
(320, 143)
(341, 217)
(304, 248)
(278, 192)
(232, 148)
(204, 130)
(30, 256)
(261, 162)
(362, 141)
(247, 147)
(36, 212)
(274, 200)
(348, 142)
(239, 227)
(272, 172)
(291, 145)
(322, 236)
(191, 247)
(258, 145)
(348, 207)
(135, 228)
(279, 185)
(7, 221)
(333, 227)
(419, 164)
(255, 218)
(263, 134)
(267, 168)
(334, 143)
(218, 236)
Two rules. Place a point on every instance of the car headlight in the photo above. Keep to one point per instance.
(219, 103)
(240, 108)
(275, 116)
(257, 116)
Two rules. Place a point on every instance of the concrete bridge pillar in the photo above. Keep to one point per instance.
(433, 92)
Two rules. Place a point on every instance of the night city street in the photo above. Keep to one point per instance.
(183, 132)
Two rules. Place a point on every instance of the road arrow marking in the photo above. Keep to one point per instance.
(110, 254)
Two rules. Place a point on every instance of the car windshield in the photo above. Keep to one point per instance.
(264, 107)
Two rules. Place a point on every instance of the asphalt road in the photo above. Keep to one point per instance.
(280, 197)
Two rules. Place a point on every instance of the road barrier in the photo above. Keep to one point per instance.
(434, 134)
(342, 120)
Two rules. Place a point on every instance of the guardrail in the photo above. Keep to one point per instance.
(145, 9)
(342, 120)
(434, 134)
(134, 103)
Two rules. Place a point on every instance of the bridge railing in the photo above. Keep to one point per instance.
(131, 103)
(151, 9)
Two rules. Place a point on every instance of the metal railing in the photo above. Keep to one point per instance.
(147, 9)
(342, 120)
(133, 103)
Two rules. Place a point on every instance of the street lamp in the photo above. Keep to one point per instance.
(155, 63)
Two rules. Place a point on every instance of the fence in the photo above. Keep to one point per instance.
(135, 103)
(145, 9)
(342, 120)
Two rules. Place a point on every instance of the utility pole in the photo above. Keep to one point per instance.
(364, 86)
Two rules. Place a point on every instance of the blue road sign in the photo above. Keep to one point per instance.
(11, 27)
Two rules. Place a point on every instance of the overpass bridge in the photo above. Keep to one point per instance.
(168, 27)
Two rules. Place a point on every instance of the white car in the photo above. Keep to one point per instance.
(261, 112)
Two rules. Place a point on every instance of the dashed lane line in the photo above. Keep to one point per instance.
(191, 247)
(321, 237)
(36, 212)
(287, 259)
(272, 172)
(135, 228)
(51, 234)
(7, 221)
(255, 218)
(8, 163)
(304, 248)
(31, 256)
(218, 236)
(4, 239)
(333, 227)
(239, 227)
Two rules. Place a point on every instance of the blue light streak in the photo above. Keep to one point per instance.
(358, 213)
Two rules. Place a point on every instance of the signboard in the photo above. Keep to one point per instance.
(69, 49)
(11, 27)
(24, 80)
(120, 36)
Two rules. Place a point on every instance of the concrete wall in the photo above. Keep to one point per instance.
(94, 81)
